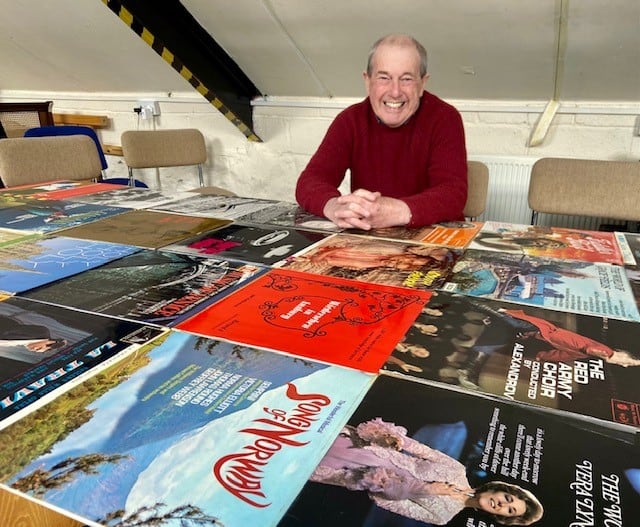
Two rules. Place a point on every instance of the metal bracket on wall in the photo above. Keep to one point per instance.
(542, 127)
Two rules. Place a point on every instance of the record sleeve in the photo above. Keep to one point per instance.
(157, 287)
(414, 455)
(318, 317)
(45, 349)
(199, 431)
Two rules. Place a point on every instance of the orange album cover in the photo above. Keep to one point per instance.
(324, 318)
(452, 234)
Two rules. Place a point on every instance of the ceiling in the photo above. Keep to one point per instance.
(570, 50)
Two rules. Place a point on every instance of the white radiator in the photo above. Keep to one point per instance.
(507, 195)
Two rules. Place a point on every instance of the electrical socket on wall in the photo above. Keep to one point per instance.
(148, 109)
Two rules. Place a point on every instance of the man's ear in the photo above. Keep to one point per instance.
(367, 81)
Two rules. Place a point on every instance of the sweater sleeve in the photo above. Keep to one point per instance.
(326, 169)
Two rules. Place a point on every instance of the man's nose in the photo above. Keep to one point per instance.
(395, 87)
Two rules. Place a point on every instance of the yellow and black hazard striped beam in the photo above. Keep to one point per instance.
(147, 35)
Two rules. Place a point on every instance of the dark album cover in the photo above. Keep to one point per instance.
(44, 348)
(258, 244)
(414, 455)
(158, 287)
(582, 364)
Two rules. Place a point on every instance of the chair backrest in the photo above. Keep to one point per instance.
(46, 131)
(38, 159)
(585, 187)
(477, 188)
(16, 117)
(163, 148)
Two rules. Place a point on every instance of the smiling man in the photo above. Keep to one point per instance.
(403, 146)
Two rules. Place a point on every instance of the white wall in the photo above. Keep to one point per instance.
(292, 128)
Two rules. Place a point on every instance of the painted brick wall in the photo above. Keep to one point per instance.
(291, 130)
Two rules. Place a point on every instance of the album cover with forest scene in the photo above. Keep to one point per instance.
(184, 431)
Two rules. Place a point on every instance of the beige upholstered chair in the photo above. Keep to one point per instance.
(478, 185)
(585, 187)
(26, 160)
(166, 148)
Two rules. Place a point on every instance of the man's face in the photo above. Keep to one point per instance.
(395, 86)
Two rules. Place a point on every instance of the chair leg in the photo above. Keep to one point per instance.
(200, 178)
(131, 180)
(534, 217)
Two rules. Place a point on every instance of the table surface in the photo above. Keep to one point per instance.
(17, 511)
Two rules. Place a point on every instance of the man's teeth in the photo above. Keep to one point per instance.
(393, 104)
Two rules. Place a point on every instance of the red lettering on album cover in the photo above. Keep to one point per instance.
(195, 296)
(241, 473)
(213, 245)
